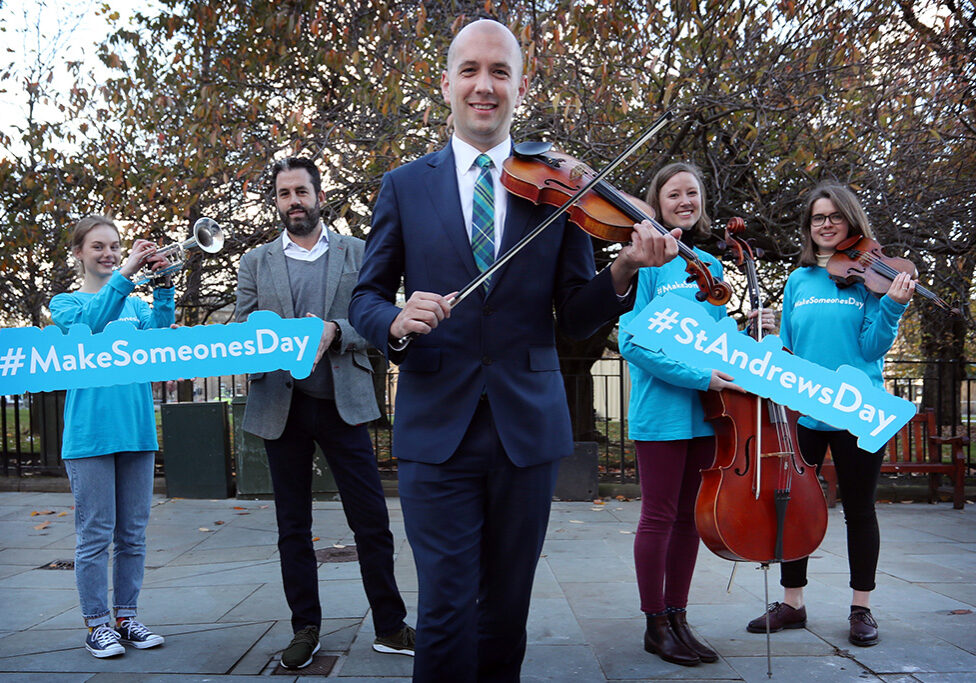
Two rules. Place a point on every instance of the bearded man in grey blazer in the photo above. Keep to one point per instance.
(311, 271)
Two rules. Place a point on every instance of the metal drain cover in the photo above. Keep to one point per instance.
(59, 564)
(347, 554)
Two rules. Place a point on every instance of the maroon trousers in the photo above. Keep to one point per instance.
(666, 546)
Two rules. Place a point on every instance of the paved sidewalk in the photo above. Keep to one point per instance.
(213, 589)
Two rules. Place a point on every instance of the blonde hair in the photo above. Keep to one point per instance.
(846, 204)
(702, 227)
(81, 230)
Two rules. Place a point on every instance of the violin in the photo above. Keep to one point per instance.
(760, 501)
(543, 176)
(860, 259)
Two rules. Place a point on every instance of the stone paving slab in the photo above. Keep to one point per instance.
(216, 596)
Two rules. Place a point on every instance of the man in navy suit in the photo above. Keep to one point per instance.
(481, 415)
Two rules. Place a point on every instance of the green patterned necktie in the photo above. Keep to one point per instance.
(483, 216)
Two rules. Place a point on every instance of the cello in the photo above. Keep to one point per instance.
(760, 501)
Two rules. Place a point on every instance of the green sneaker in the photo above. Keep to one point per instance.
(399, 643)
(303, 646)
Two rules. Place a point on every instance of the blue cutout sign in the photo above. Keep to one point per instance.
(32, 359)
(844, 398)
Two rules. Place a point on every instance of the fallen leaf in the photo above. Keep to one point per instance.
(264, 507)
(575, 521)
(62, 513)
(242, 513)
(618, 508)
(626, 531)
(906, 502)
(42, 512)
(621, 498)
(597, 501)
(597, 509)
(961, 611)
(238, 507)
(42, 525)
(218, 522)
(338, 545)
(203, 528)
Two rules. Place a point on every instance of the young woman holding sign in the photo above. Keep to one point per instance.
(110, 439)
(834, 326)
(667, 424)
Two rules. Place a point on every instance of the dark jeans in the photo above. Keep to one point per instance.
(350, 456)
(857, 477)
(476, 524)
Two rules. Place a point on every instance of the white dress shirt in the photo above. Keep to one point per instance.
(467, 175)
(300, 253)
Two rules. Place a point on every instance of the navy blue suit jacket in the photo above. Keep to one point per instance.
(501, 342)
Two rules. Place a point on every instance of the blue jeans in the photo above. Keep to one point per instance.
(113, 494)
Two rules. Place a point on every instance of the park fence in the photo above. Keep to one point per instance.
(31, 424)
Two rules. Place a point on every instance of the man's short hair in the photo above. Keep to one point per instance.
(293, 163)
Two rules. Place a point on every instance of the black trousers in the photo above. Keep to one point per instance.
(857, 476)
(349, 453)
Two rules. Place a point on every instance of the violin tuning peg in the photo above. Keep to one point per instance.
(691, 278)
(701, 296)
(758, 252)
(722, 245)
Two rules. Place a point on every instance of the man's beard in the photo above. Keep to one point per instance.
(303, 225)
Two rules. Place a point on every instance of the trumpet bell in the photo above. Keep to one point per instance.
(207, 235)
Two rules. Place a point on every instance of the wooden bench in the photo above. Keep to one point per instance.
(917, 447)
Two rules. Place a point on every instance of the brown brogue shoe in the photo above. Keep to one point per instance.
(864, 629)
(780, 616)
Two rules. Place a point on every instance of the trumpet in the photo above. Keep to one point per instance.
(207, 237)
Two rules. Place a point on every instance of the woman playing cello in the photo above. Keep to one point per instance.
(835, 326)
(673, 441)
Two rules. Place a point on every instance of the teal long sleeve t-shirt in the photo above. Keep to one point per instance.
(664, 401)
(114, 419)
(834, 326)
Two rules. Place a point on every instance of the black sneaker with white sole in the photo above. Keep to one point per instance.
(399, 643)
(137, 635)
(103, 641)
(302, 648)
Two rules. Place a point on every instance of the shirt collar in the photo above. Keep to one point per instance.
(465, 154)
(289, 244)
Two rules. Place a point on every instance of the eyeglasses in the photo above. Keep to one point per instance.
(818, 219)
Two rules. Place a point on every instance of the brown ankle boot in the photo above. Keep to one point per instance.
(660, 640)
(679, 624)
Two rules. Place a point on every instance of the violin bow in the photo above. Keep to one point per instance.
(652, 130)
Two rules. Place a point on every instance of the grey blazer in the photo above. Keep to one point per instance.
(262, 284)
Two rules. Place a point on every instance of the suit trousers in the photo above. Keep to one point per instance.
(476, 524)
(349, 453)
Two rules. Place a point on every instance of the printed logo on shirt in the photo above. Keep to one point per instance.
(671, 286)
(846, 301)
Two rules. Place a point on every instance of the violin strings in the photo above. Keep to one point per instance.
(880, 266)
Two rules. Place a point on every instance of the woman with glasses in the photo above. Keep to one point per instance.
(834, 326)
